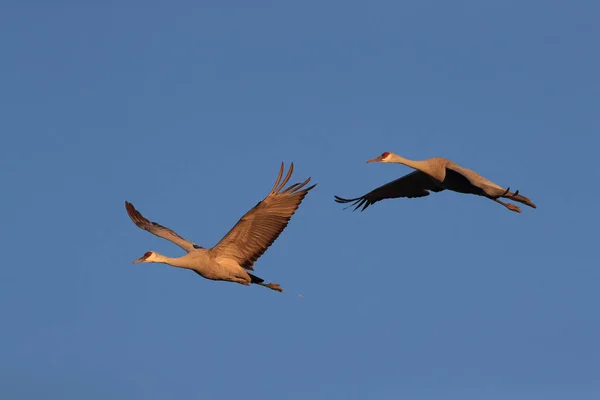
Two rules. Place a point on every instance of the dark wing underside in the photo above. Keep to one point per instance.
(259, 227)
(465, 180)
(157, 229)
(415, 184)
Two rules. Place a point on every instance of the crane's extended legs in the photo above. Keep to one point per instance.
(272, 286)
(259, 281)
(512, 196)
(517, 197)
(511, 207)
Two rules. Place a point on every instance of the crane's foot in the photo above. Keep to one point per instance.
(511, 207)
(514, 208)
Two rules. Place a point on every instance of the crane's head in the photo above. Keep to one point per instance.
(149, 256)
(382, 158)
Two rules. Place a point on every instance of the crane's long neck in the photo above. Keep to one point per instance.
(175, 262)
(423, 166)
(395, 158)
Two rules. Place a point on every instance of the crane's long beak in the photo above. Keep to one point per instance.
(376, 159)
(143, 258)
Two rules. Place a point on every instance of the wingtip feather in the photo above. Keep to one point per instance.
(130, 209)
(286, 179)
(310, 187)
(281, 169)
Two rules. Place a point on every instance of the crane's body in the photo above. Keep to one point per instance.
(435, 175)
(232, 258)
(206, 265)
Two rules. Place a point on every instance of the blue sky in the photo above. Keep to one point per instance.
(187, 109)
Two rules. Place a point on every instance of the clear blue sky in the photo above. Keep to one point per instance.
(187, 109)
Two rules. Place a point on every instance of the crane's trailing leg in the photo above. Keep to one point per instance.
(513, 196)
(273, 286)
(259, 281)
(505, 193)
(511, 207)
(521, 199)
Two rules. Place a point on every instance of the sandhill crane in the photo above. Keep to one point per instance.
(239, 249)
(434, 174)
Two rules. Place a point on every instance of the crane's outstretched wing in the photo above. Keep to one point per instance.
(259, 227)
(158, 229)
(415, 184)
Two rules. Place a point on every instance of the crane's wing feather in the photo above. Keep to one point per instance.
(158, 229)
(415, 184)
(259, 227)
